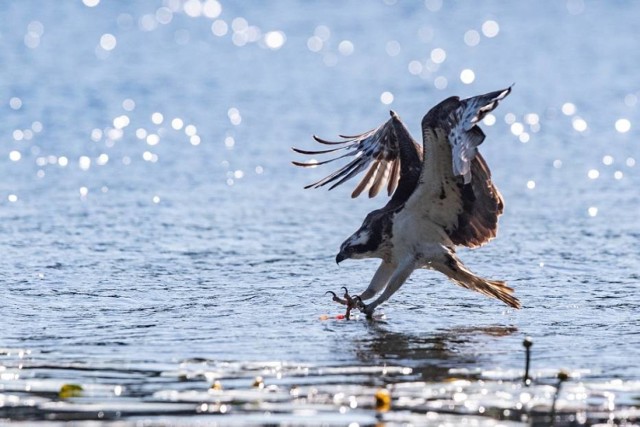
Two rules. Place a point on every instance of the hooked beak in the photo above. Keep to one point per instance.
(340, 257)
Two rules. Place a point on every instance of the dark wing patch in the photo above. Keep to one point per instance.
(377, 151)
(482, 204)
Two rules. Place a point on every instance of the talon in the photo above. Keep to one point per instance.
(337, 299)
(352, 303)
(349, 301)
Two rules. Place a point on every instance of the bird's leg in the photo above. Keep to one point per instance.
(399, 276)
(367, 309)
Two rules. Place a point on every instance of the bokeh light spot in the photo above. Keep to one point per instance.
(489, 119)
(415, 67)
(128, 104)
(157, 118)
(490, 28)
(386, 98)
(509, 118)
(438, 55)
(472, 38)
(517, 128)
(190, 130)
(102, 159)
(323, 32)
(219, 28)
(274, 39)
(153, 139)
(579, 124)
(440, 82)
(15, 103)
(211, 9)
(84, 163)
(234, 116)
(345, 47)
(623, 125)
(467, 76)
(393, 48)
(177, 123)
(192, 8)
(121, 122)
(314, 44)
(141, 133)
(164, 15)
(18, 135)
(108, 42)
(568, 109)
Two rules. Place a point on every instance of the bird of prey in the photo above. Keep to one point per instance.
(441, 196)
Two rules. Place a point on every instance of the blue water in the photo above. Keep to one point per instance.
(129, 239)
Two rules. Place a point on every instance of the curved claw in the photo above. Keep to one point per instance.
(346, 291)
(336, 298)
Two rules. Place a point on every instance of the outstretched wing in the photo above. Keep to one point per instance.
(464, 135)
(455, 190)
(383, 152)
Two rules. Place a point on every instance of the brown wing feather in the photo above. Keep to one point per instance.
(365, 180)
(393, 178)
(377, 151)
(380, 179)
(482, 204)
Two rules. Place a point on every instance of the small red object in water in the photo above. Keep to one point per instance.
(340, 316)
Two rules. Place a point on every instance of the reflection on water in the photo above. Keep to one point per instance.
(430, 355)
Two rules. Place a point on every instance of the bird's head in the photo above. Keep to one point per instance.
(364, 242)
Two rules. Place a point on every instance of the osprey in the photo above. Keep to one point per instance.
(441, 197)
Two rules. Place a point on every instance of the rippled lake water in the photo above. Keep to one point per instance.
(156, 239)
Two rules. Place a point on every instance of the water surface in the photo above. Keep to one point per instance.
(151, 220)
